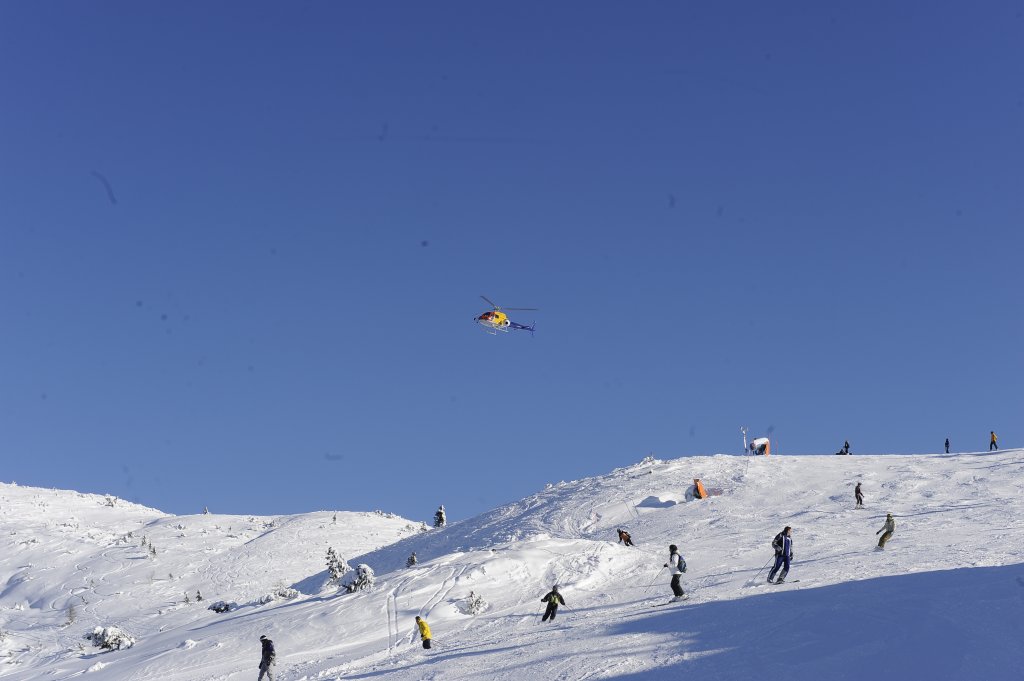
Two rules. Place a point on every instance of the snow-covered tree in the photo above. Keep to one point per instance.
(411, 560)
(336, 565)
(281, 593)
(110, 638)
(222, 606)
(440, 519)
(474, 604)
(364, 579)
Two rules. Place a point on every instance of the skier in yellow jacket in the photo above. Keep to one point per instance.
(424, 631)
(992, 441)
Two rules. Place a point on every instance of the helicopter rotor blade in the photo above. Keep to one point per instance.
(520, 309)
(490, 302)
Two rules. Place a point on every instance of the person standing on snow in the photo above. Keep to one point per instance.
(992, 442)
(947, 445)
(677, 566)
(783, 545)
(624, 538)
(888, 528)
(424, 632)
(267, 659)
(553, 599)
(859, 496)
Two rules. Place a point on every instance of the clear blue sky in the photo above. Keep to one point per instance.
(242, 244)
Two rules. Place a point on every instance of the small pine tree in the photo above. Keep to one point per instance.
(152, 551)
(199, 595)
(475, 604)
(206, 510)
(187, 599)
(440, 519)
(364, 579)
(336, 565)
(143, 541)
(72, 615)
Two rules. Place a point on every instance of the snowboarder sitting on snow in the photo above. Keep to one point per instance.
(424, 631)
(888, 528)
(267, 659)
(858, 495)
(677, 566)
(624, 538)
(783, 545)
(552, 598)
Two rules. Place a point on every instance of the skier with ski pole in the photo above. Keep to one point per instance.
(783, 545)
(553, 599)
(677, 565)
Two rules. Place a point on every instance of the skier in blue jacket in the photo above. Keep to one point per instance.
(783, 545)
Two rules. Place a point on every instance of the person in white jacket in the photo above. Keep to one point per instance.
(677, 566)
(888, 528)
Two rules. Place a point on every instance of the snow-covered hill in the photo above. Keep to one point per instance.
(943, 601)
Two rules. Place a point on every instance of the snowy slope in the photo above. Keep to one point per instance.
(75, 557)
(943, 601)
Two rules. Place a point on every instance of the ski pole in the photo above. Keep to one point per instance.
(656, 578)
(762, 569)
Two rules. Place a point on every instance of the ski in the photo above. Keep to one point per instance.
(671, 602)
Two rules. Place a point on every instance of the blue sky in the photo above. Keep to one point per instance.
(242, 244)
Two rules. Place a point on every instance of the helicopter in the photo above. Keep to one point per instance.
(496, 320)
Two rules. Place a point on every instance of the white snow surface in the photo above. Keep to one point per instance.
(944, 600)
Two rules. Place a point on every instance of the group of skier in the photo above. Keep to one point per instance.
(993, 443)
(782, 544)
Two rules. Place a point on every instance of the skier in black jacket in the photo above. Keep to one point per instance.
(553, 599)
(267, 659)
(783, 545)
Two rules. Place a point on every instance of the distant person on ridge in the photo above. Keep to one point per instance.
(888, 528)
(553, 599)
(424, 632)
(859, 496)
(624, 538)
(677, 566)
(783, 545)
(439, 517)
(267, 659)
(992, 443)
(947, 445)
